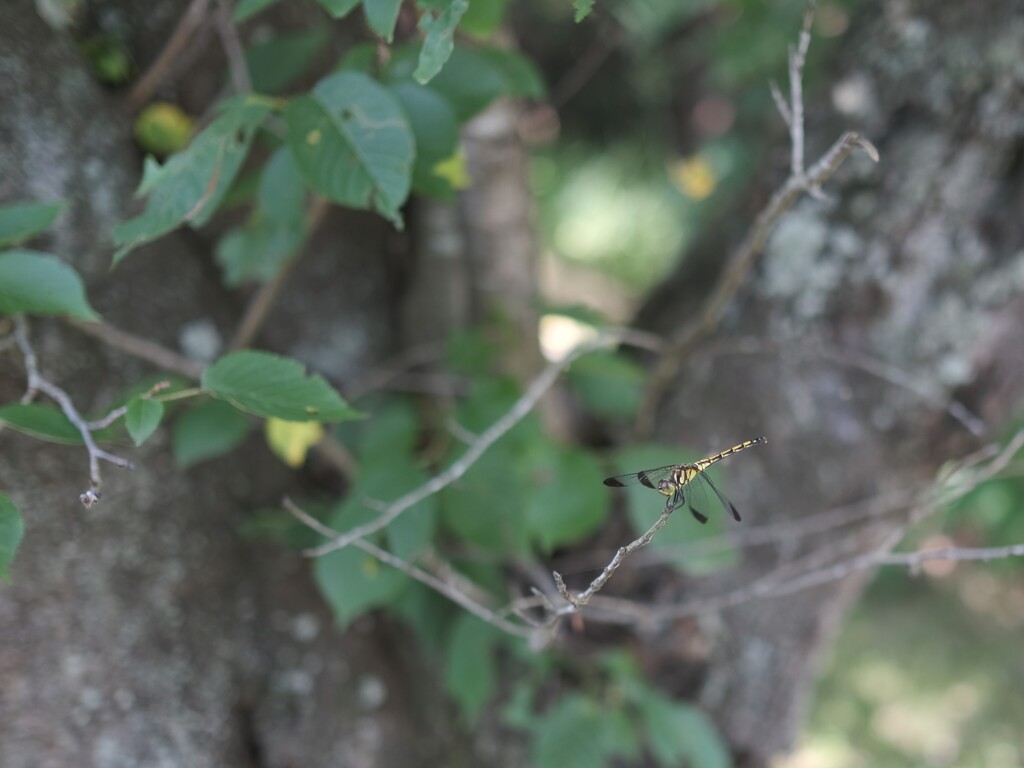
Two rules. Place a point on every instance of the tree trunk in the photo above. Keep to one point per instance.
(910, 273)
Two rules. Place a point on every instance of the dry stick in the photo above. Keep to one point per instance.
(730, 282)
(142, 348)
(259, 308)
(743, 259)
(329, 448)
(38, 383)
(855, 359)
(228, 34)
(146, 85)
(452, 593)
(523, 406)
(576, 602)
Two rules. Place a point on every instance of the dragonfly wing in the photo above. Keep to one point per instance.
(645, 477)
(725, 502)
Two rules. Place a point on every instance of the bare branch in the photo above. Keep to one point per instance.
(147, 84)
(38, 383)
(454, 594)
(520, 409)
(780, 103)
(577, 601)
(228, 34)
(142, 349)
(261, 304)
(739, 266)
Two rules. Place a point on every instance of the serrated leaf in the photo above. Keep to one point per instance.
(276, 63)
(190, 185)
(351, 143)
(583, 8)
(436, 131)
(41, 421)
(338, 8)
(40, 284)
(608, 383)
(20, 221)
(206, 431)
(352, 581)
(553, 516)
(268, 385)
(247, 8)
(12, 529)
(142, 418)
(675, 542)
(382, 15)
(469, 667)
(291, 440)
(438, 23)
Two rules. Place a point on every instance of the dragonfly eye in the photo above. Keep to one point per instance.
(665, 487)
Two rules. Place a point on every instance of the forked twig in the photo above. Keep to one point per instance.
(456, 595)
(39, 383)
(519, 410)
(752, 246)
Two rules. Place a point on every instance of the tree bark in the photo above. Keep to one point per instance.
(913, 268)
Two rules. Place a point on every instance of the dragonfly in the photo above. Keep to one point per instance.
(680, 482)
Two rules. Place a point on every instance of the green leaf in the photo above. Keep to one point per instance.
(189, 187)
(678, 733)
(206, 431)
(247, 8)
(41, 421)
(276, 63)
(361, 57)
(469, 667)
(553, 515)
(436, 131)
(468, 81)
(676, 540)
(266, 385)
(20, 221)
(351, 143)
(40, 284)
(522, 79)
(438, 22)
(575, 733)
(274, 232)
(352, 581)
(12, 529)
(382, 15)
(608, 383)
(582, 9)
(142, 418)
(469, 352)
(338, 8)
(483, 18)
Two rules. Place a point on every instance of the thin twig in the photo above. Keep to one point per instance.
(228, 34)
(577, 601)
(39, 383)
(519, 410)
(744, 257)
(261, 304)
(146, 85)
(797, 58)
(142, 348)
(861, 361)
(742, 261)
(452, 593)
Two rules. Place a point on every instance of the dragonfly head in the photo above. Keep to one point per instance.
(666, 487)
